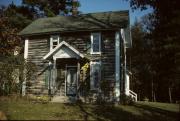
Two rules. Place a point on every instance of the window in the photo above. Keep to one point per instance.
(54, 41)
(95, 73)
(95, 43)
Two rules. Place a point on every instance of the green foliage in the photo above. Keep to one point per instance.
(12, 73)
(40, 99)
(146, 99)
(52, 8)
(162, 26)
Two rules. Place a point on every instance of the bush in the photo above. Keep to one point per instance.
(40, 99)
(126, 100)
(146, 99)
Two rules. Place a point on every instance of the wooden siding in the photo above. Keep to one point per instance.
(82, 42)
(37, 49)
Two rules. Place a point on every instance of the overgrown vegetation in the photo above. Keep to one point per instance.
(13, 71)
(18, 109)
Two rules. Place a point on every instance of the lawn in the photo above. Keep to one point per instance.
(141, 111)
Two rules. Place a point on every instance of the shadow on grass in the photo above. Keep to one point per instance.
(116, 113)
(157, 113)
(107, 112)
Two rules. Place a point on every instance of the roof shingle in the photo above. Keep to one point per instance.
(83, 22)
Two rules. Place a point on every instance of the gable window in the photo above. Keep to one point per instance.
(95, 72)
(54, 41)
(95, 43)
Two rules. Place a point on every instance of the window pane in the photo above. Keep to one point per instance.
(96, 46)
(95, 77)
(55, 44)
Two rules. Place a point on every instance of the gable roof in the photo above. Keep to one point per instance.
(56, 49)
(83, 22)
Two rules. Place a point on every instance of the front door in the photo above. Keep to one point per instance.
(71, 81)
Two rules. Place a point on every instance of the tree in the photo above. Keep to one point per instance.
(53, 7)
(141, 55)
(165, 38)
(12, 21)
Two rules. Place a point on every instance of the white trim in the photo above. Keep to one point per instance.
(91, 74)
(25, 71)
(127, 84)
(57, 47)
(99, 34)
(51, 41)
(117, 65)
(26, 49)
(126, 76)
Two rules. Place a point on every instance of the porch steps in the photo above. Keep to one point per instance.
(63, 99)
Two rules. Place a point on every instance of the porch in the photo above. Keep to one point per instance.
(65, 64)
(65, 78)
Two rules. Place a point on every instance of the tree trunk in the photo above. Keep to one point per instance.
(154, 98)
(152, 92)
(170, 98)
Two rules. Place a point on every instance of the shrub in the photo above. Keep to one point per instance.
(146, 99)
(126, 100)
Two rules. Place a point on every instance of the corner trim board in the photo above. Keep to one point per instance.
(117, 65)
(26, 48)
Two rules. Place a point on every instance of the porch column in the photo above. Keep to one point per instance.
(54, 76)
(50, 78)
(78, 79)
(117, 66)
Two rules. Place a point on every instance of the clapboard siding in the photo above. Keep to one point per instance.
(37, 49)
(108, 53)
(81, 41)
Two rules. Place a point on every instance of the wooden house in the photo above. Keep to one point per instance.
(78, 56)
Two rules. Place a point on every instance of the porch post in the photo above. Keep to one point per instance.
(65, 78)
(117, 66)
(54, 75)
(78, 78)
(49, 80)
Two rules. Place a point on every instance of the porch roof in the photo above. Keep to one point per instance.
(59, 47)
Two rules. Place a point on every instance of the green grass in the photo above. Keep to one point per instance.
(141, 111)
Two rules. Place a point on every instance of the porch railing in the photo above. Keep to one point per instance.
(133, 95)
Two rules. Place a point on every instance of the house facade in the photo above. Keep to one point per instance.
(78, 56)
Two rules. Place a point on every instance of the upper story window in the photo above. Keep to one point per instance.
(95, 43)
(54, 41)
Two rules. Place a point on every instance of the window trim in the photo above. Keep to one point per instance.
(92, 63)
(99, 34)
(51, 41)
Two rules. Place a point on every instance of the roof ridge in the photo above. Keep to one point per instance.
(122, 11)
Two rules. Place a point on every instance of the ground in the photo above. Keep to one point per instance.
(140, 111)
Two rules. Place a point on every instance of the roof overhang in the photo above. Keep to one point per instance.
(63, 50)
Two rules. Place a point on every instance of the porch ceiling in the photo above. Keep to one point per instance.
(64, 50)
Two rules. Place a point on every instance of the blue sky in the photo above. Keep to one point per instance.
(91, 6)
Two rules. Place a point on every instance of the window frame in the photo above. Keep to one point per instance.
(51, 41)
(92, 40)
(92, 63)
